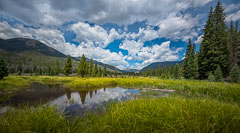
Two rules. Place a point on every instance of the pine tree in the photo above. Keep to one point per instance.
(82, 67)
(218, 74)
(57, 68)
(235, 74)
(188, 61)
(90, 67)
(206, 54)
(104, 71)
(195, 66)
(68, 66)
(220, 47)
(86, 68)
(99, 74)
(95, 70)
(3, 69)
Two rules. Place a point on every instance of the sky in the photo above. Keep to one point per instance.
(124, 33)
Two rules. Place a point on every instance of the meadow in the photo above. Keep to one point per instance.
(198, 106)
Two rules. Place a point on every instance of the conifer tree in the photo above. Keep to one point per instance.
(57, 68)
(104, 71)
(3, 68)
(220, 47)
(188, 61)
(195, 66)
(231, 46)
(206, 55)
(218, 74)
(99, 74)
(95, 70)
(68, 66)
(235, 74)
(87, 68)
(90, 67)
(82, 67)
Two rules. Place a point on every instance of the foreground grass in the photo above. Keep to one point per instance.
(222, 91)
(143, 115)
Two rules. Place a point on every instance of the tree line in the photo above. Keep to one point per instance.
(87, 69)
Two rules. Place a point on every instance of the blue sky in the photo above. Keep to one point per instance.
(126, 33)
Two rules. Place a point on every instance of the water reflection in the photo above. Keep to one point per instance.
(67, 101)
(80, 102)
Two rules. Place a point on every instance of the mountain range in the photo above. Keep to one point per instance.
(32, 53)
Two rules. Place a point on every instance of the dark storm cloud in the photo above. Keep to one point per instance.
(24, 10)
(97, 11)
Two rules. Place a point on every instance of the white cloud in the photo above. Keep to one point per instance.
(234, 16)
(231, 7)
(57, 12)
(6, 31)
(177, 27)
(94, 35)
(199, 40)
(155, 53)
(158, 53)
(201, 2)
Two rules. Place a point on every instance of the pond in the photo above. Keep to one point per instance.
(66, 101)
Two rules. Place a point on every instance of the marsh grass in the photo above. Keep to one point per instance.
(222, 91)
(171, 114)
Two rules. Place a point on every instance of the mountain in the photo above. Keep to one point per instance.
(19, 45)
(161, 64)
(31, 54)
(131, 70)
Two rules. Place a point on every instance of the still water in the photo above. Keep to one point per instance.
(67, 101)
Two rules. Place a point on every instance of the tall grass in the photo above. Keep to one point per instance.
(143, 115)
(228, 92)
(169, 115)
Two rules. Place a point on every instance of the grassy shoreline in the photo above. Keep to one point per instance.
(222, 91)
(173, 114)
(202, 107)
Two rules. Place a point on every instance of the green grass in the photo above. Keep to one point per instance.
(222, 91)
(143, 115)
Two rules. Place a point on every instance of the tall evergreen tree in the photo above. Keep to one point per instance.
(68, 66)
(195, 66)
(90, 67)
(82, 67)
(57, 68)
(95, 70)
(104, 71)
(99, 74)
(206, 54)
(235, 74)
(188, 61)
(220, 47)
(3, 68)
(231, 46)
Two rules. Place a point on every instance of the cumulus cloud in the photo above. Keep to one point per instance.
(94, 35)
(158, 53)
(199, 40)
(6, 31)
(231, 7)
(234, 16)
(97, 11)
(177, 27)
